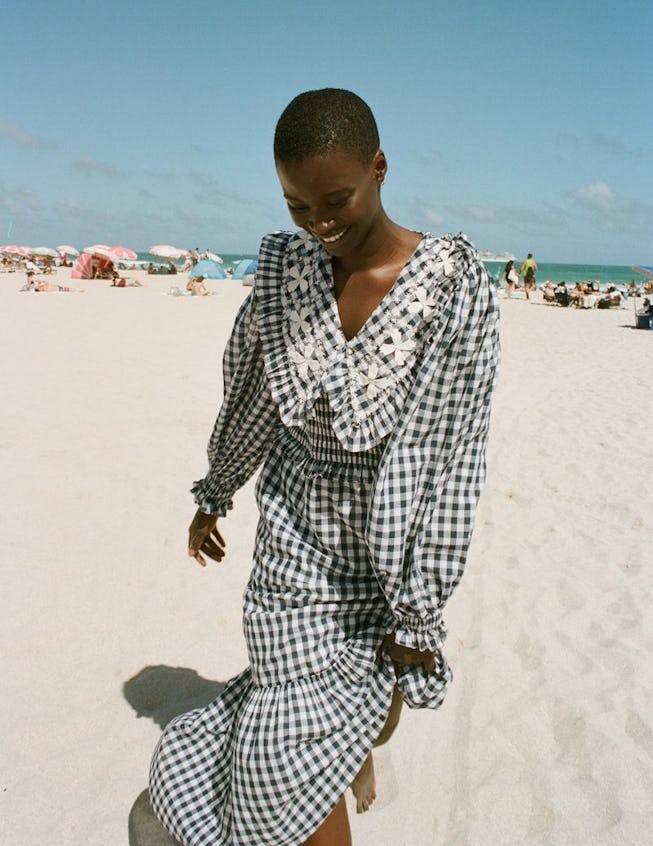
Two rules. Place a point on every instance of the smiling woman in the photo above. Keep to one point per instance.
(359, 375)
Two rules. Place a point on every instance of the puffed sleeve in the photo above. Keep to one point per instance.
(432, 477)
(242, 433)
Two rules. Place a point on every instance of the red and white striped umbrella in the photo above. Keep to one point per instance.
(14, 250)
(123, 253)
(68, 250)
(112, 253)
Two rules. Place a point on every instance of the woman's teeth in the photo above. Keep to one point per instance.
(333, 238)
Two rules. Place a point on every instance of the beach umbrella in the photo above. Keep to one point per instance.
(245, 267)
(68, 250)
(208, 269)
(111, 253)
(213, 257)
(14, 250)
(168, 251)
(646, 270)
(84, 265)
(100, 249)
(44, 251)
(122, 254)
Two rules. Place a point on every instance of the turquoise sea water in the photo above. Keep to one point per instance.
(606, 274)
(229, 259)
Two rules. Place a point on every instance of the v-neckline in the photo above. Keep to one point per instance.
(327, 269)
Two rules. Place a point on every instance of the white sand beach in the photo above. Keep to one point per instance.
(109, 629)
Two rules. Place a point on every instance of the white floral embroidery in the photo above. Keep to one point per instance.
(400, 348)
(304, 236)
(305, 361)
(446, 261)
(295, 280)
(299, 322)
(423, 303)
(373, 381)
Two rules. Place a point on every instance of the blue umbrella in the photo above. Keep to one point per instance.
(208, 269)
(244, 268)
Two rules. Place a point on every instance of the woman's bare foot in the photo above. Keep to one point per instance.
(364, 786)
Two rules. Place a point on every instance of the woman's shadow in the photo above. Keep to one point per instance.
(162, 693)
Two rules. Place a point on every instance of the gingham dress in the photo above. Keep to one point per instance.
(373, 461)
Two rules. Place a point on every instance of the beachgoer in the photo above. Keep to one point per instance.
(562, 294)
(510, 276)
(359, 373)
(118, 281)
(43, 286)
(528, 269)
(197, 287)
(549, 292)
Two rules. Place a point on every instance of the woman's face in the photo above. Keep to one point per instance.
(335, 198)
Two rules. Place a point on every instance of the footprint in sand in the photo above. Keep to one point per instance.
(530, 652)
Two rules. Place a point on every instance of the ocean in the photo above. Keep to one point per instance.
(229, 259)
(605, 274)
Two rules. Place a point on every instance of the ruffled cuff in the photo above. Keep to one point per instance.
(208, 502)
(421, 632)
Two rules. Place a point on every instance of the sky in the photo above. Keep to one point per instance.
(528, 126)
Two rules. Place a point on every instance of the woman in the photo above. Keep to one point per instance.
(510, 276)
(359, 373)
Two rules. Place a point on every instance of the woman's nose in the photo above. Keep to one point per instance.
(320, 226)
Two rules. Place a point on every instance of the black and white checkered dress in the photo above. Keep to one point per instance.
(373, 461)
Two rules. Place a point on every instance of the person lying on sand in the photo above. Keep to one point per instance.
(43, 286)
(118, 281)
(197, 287)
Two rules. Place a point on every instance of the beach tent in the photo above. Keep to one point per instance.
(83, 267)
(208, 269)
(245, 267)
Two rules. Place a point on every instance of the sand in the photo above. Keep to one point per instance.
(108, 629)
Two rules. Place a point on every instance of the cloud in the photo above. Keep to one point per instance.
(612, 211)
(605, 143)
(25, 140)
(485, 214)
(18, 200)
(92, 167)
(597, 195)
(423, 211)
(616, 147)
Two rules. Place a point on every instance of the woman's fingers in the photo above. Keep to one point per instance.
(404, 656)
(203, 536)
(212, 549)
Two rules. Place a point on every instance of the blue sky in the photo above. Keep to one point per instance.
(526, 125)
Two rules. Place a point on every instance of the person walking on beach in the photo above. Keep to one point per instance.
(359, 375)
(510, 276)
(528, 269)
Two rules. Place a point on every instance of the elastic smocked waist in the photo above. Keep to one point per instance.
(325, 456)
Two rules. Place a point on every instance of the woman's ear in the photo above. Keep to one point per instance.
(380, 166)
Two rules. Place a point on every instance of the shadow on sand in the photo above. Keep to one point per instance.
(162, 693)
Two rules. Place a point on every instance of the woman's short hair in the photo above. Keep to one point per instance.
(320, 122)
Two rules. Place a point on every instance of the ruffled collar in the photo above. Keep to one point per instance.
(306, 354)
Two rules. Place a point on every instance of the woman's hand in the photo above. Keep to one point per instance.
(203, 536)
(404, 656)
